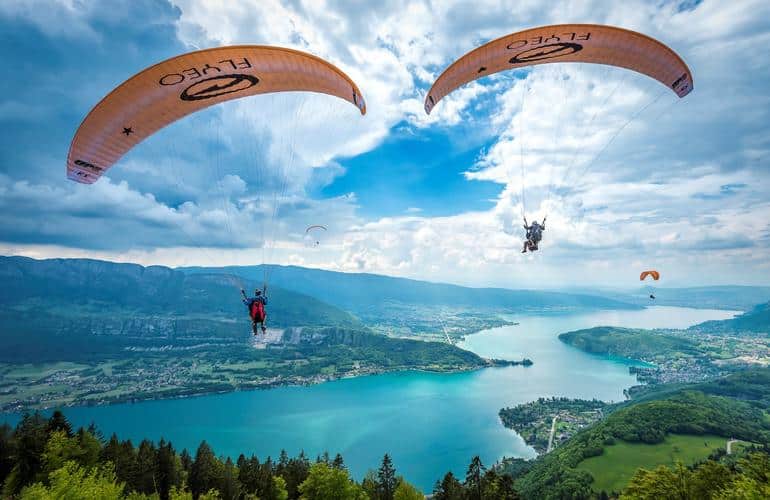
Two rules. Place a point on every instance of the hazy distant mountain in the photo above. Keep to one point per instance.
(63, 284)
(757, 320)
(740, 298)
(359, 292)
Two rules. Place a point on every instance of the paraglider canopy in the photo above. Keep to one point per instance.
(654, 274)
(177, 87)
(581, 43)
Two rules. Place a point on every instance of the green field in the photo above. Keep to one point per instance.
(614, 468)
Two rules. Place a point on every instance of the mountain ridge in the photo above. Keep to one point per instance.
(83, 308)
(359, 292)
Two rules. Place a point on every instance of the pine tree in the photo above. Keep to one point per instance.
(6, 451)
(248, 474)
(295, 474)
(123, 458)
(111, 450)
(130, 469)
(95, 432)
(386, 479)
(168, 474)
(448, 488)
(264, 479)
(29, 440)
(186, 461)
(473, 478)
(230, 488)
(206, 472)
(90, 447)
(505, 487)
(338, 462)
(283, 462)
(58, 422)
(145, 468)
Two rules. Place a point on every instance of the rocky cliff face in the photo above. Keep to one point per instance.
(328, 336)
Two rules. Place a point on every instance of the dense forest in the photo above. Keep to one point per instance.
(43, 458)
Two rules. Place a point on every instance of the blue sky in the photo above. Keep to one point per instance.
(683, 187)
(420, 173)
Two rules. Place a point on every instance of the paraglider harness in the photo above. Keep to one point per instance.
(257, 311)
(534, 234)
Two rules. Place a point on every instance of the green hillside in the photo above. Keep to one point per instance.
(736, 407)
(74, 309)
(627, 342)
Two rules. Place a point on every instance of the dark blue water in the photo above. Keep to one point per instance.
(430, 423)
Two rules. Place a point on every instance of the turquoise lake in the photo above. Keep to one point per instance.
(429, 423)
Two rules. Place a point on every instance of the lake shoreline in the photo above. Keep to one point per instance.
(265, 386)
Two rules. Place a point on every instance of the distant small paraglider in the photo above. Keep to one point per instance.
(655, 275)
(316, 227)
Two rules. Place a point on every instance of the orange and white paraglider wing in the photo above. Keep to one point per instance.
(581, 43)
(182, 85)
(655, 275)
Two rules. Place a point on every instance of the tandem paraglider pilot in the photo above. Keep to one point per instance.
(256, 306)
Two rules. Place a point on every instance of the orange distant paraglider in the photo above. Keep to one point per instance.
(655, 276)
(177, 87)
(581, 43)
